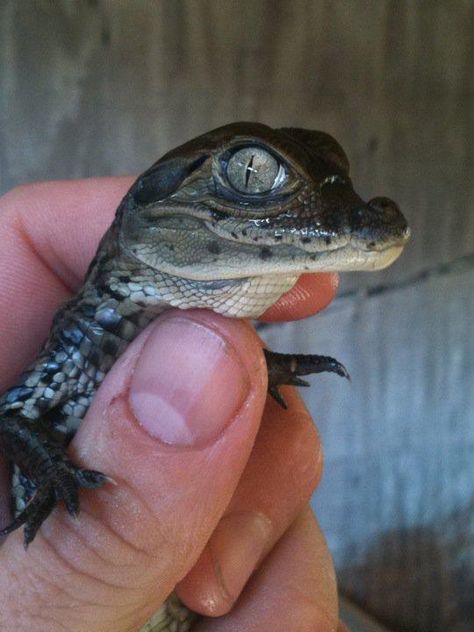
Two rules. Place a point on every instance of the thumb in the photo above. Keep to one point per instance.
(173, 424)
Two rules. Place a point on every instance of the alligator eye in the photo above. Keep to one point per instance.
(254, 170)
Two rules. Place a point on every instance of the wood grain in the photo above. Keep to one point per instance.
(105, 87)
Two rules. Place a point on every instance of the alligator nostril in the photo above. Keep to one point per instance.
(383, 205)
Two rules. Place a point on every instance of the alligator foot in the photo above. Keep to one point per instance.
(287, 368)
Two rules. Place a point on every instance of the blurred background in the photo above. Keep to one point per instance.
(103, 87)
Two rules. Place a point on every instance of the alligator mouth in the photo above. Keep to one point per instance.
(356, 255)
(344, 259)
(350, 259)
(222, 258)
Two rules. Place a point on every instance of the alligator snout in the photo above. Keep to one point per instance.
(379, 224)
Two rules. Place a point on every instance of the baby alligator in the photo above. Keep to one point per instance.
(227, 222)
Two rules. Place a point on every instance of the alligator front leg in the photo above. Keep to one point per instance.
(53, 474)
(287, 368)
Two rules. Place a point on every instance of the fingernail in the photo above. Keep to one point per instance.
(236, 546)
(188, 383)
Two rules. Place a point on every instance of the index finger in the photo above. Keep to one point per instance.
(49, 232)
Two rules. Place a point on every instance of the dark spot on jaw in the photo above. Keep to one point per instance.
(305, 240)
(213, 247)
(266, 253)
(217, 215)
(123, 278)
(371, 244)
(234, 235)
(278, 237)
(327, 240)
(244, 232)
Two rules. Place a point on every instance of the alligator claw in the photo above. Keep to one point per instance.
(286, 368)
(63, 482)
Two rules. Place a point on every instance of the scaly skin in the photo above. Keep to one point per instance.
(226, 222)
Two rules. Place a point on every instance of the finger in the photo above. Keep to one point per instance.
(49, 232)
(311, 294)
(173, 425)
(295, 589)
(280, 477)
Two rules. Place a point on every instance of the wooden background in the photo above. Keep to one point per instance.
(105, 87)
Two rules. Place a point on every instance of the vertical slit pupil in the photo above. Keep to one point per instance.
(248, 171)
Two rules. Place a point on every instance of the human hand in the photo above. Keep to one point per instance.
(208, 495)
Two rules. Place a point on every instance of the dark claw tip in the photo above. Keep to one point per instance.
(343, 372)
(278, 397)
(73, 512)
(29, 536)
(91, 478)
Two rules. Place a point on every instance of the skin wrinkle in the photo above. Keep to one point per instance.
(134, 493)
(139, 565)
(92, 519)
(76, 529)
(85, 541)
(77, 573)
(40, 602)
(73, 593)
